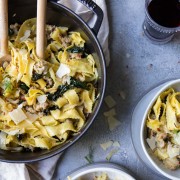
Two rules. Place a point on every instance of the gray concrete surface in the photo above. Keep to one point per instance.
(136, 66)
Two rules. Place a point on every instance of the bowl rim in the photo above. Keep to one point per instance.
(167, 85)
(101, 167)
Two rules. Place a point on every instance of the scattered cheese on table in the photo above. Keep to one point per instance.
(113, 123)
(106, 145)
(122, 94)
(116, 144)
(110, 101)
(110, 113)
(111, 153)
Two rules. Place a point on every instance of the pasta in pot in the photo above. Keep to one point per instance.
(45, 101)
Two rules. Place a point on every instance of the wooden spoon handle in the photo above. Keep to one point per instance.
(41, 24)
(4, 27)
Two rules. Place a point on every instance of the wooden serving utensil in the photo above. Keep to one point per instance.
(41, 24)
(4, 56)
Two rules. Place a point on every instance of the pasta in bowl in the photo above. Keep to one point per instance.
(44, 102)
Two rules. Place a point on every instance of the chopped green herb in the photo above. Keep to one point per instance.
(36, 76)
(24, 87)
(89, 160)
(10, 32)
(112, 152)
(89, 157)
(59, 93)
(21, 136)
(76, 49)
(7, 86)
(47, 111)
(76, 83)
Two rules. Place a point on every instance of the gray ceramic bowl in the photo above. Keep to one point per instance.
(139, 130)
(60, 15)
(113, 171)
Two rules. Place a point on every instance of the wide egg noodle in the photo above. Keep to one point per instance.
(77, 39)
(172, 123)
(28, 72)
(72, 97)
(88, 103)
(32, 95)
(61, 128)
(175, 102)
(27, 25)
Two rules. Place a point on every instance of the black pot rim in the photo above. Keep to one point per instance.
(62, 148)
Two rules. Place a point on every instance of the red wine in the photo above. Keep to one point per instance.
(165, 12)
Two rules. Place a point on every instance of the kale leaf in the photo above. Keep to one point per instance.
(78, 84)
(76, 49)
(47, 111)
(24, 87)
(63, 88)
(59, 93)
(36, 76)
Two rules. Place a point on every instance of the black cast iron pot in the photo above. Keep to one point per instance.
(60, 15)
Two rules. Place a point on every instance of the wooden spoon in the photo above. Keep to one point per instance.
(41, 24)
(4, 56)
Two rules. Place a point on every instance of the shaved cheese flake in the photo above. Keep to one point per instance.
(20, 106)
(42, 99)
(17, 115)
(106, 145)
(173, 151)
(116, 144)
(110, 113)
(3, 140)
(113, 123)
(177, 138)
(31, 117)
(111, 153)
(13, 132)
(63, 70)
(110, 101)
(26, 35)
(23, 51)
(151, 142)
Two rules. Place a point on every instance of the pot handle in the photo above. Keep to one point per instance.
(97, 10)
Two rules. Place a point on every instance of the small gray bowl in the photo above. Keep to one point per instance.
(139, 130)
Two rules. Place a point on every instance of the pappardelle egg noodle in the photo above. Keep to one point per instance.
(44, 102)
(164, 128)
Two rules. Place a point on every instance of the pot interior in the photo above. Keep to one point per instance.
(19, 11)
